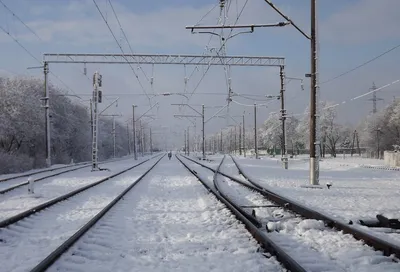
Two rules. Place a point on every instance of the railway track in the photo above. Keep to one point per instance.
(167, 223)
(55, 225)
(12, 183)
(292, 214)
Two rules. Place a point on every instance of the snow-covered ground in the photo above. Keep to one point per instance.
(168, 222)
(29, 241)
(356, 193)
(19, 200)
(306, 240)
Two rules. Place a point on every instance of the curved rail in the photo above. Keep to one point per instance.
(256, 232)
(38, 208)
(252, 219)
(377, 243)
(52, 257)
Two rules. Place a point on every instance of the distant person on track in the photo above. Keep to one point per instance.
(169, 155)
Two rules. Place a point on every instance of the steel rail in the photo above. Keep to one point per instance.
(251, 218)
(86, 164)
(56, 168)
(41, 171)
(40, 207)
(3, 191)
(286, 260)
(52, 257)
(377, 243)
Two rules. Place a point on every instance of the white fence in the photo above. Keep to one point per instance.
(392, 158)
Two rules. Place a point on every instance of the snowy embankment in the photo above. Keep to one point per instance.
(314, 246)
(167, 222)
(356, 192)
(19, 200)
(27, 242)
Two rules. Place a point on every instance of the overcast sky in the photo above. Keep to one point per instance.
(351, 32)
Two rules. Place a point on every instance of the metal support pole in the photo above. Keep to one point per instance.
(378, 140)
(255, 131)
(283, 116)
(47, 114)
(314, 164)
(151, 143)
(230, 142)
(204, 135)
(91, 117)
(129, 138)
(141, 138)
(221, 145)
(188, 143)
(244, 139)
(235, 141)
(134, 132)
(240, 139)
(113, 132)
(95, 101)
(185, 147)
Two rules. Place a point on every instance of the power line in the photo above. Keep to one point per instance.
(126, 38)
(20, 45)
(219, 50)
(204, 16)
(361, 65)
(19, 19)
(27, 51)
(120, 47)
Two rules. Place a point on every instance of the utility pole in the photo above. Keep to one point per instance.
(235, 141)
(97, 83)
(134, 132)
(185, 147)
(378, 132)
(240, 139)
(129, 138)
(221, 145)
(204, 135)
(244, 139)
(255, 131)
(188, 143)
(141, 135)
(113, 133)
(47, 113)
(151, 143)
(283, 116)
(314, 157)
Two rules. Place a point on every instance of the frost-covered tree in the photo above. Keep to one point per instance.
(332, 134)
(382, 128)
(271, 133)
(22, 135)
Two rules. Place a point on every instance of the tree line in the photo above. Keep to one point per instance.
(22, 133)
(379, 131)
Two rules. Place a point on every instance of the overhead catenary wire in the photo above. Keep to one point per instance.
(249, 105)
(365, 94)
(126, 38)
(361, 65)
(26, 50)
(354, 98)
(35, 58)
(205, 15)
(219, 50)
(121, 49)
(20, 20)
